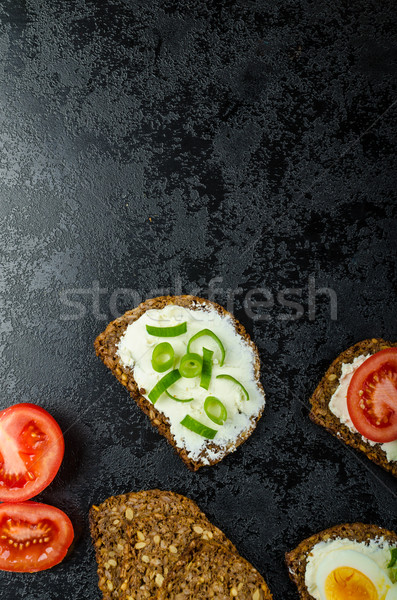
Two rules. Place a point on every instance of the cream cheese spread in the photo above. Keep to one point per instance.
(135, 351)
(338, 404)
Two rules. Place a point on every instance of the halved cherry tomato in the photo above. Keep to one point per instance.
(372, 397)
(31, 451)
(33, 536)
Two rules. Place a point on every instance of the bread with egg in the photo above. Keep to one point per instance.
(307, 560)
(320, 403)
(126, 336)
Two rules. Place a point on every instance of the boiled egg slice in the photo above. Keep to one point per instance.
(350, 575)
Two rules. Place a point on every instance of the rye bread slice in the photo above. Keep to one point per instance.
(109, 523)
(209, 570)
(106, 348)
(296, 559)
(156, 545)
(321, 414)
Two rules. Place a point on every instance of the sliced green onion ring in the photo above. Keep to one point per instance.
(213, 336)
(163, 384)
(198, 427)
(191, 365)
(230, 378)
(167, 331)
(215, 410)
(163, 357)
(206, 371)
(178, 399)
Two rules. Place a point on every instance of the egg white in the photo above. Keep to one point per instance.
(392, 593)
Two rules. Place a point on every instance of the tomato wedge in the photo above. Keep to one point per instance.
(31, 451)
(33, 536)
(372, 397)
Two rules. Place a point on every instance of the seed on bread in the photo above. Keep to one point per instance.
(129, 514)
(140, 545)
(197, 529)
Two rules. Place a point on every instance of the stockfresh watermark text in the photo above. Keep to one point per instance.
(259, 304)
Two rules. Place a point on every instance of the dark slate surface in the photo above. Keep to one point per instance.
(151, 146)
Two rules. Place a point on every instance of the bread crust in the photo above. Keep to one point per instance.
(321, 414)
(222, 563)
(297, 559)
(106, 348)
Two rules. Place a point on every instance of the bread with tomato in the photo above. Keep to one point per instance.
(356, 400)
(353, 560)
(193, 369)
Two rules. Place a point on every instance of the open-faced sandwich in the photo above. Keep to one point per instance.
(357, 400)
(193, 369)
(346, 562)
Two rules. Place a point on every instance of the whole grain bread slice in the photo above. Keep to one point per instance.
(157, 545)
(106, 348)
(321, 414)
(297, 559)
(110, 521)
(210, 570)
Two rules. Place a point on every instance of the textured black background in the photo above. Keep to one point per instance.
(152, 145)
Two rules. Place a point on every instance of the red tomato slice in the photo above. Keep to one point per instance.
(31, 451)
(372, 397)
(33, 536)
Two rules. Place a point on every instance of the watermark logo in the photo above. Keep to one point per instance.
(259, 304)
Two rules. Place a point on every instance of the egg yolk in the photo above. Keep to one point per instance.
(346, 583)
